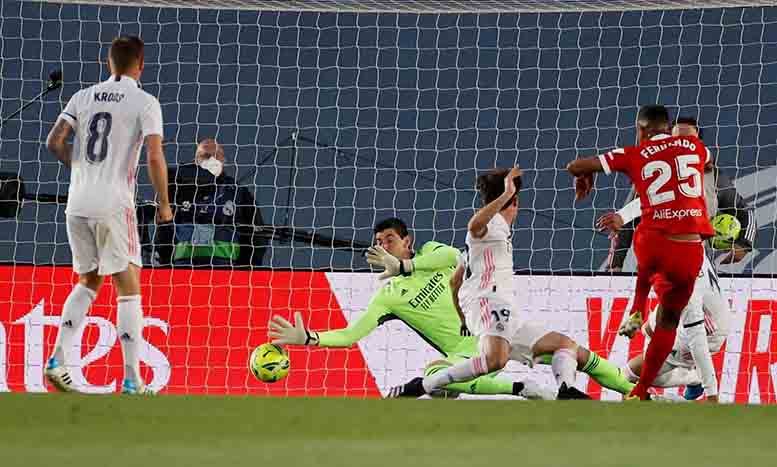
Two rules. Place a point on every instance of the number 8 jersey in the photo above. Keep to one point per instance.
(110, 121)
(668, 175)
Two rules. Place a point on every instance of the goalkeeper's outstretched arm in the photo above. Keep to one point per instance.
(284, 333)
(432, 256)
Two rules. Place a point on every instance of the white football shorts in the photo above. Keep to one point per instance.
(492, 315)
(107, 244)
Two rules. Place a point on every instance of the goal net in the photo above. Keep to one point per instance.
(334, 115)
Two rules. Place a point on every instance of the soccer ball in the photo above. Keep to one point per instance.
(269, 363)
(727, 229)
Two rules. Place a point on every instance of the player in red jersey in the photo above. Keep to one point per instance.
(667, 173)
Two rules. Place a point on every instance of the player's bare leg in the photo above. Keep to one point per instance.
(73, 313)
(129, 325)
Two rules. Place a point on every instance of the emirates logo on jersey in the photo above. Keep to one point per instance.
(429, 293)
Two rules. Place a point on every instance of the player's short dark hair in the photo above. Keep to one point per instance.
(491, 185)
(394, 223)
(688, 120)
(654, 117)
(125, 52)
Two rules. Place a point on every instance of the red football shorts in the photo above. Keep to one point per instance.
(671, 265)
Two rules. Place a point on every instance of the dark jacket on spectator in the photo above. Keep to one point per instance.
(214, 222)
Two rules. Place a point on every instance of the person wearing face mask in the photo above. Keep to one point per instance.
(214, 217)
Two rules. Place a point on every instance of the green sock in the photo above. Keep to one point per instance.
(607, 374)
(486, 384)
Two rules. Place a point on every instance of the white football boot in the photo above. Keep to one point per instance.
(58, 376)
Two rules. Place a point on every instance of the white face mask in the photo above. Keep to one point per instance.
(213, 166)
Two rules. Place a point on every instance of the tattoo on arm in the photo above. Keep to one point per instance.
(57, 141)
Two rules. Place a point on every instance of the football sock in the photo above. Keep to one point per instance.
(73, 313)
(641, 292)
(130, 326)
(607, 374)
(486, 384)
(700, 350)
(564, 365)
(464, 370)
(659, 348)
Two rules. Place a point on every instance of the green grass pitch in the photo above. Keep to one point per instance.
(86, 431)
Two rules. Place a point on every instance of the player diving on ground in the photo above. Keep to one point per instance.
(482, 289)
(418, 294)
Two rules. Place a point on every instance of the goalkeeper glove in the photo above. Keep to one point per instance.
(393, 266)
(630, 327)
(283, 332)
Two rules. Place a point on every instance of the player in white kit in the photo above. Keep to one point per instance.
(485, 296)
(109, 122)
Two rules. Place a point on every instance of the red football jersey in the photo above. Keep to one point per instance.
(668, 174)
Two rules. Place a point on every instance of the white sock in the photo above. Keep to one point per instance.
(129, 325)
(73, 313)
(564, 365)
(465, 370)
(700, 349)
(677, 377)
(630, 375)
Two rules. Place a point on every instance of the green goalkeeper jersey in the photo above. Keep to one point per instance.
(422, 300)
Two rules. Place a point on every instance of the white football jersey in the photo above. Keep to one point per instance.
(488, 263)
(110, 121)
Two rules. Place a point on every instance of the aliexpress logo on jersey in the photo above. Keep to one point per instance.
(676, 213)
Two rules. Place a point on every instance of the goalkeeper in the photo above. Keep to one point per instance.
(418, 295)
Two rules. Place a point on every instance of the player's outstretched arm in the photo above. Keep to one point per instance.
(432, 256)
(478, 225)
(157, 171)
(583, 170)
(57, 143)
(585, 166)
(284, 333)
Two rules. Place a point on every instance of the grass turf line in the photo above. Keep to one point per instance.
(86, 431)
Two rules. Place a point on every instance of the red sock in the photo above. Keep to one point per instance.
(641, 295)
(659, 348)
